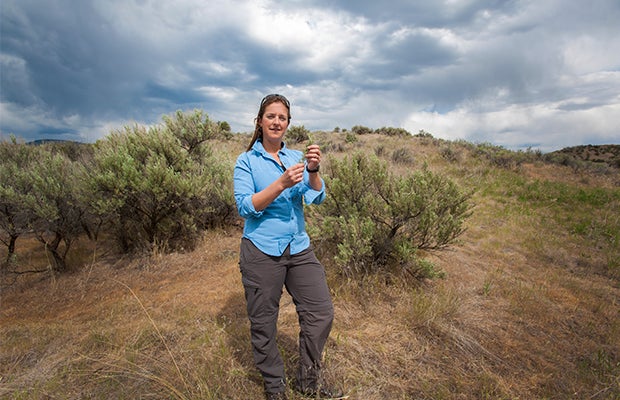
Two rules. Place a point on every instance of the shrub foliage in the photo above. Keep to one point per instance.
(297, 134)
(374, 222)
(15, 187)
(160, 186)
(40, 193)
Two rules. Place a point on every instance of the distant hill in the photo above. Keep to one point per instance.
(39, 142)
(608, 154)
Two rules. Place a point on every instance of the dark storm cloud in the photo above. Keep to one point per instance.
(70, 56)
(67, 61)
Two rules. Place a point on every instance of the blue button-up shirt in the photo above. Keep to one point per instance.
(282, 222)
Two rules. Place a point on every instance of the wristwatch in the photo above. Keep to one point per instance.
(313, 170)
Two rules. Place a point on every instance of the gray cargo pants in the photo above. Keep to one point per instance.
(263, 278)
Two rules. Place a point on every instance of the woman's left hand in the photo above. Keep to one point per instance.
(313, 156)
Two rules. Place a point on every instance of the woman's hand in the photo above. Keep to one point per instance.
(292, 176)
(313, 156)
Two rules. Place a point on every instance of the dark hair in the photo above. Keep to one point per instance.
(269, 99)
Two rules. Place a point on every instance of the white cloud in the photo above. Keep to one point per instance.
(13, 116)
(318, 40)
(586, 54)
(543, 126)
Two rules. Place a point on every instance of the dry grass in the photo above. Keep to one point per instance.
(525, 311)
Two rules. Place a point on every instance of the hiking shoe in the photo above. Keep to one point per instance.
(276, 396)
(323, 392)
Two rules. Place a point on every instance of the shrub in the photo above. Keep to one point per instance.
(349, 137)
(337, 147)
(15, 185)
(389, 131)
(74, 151)
(402, 156)
(42, 192)
(423, 134)
(162, 185)
(224, 127)
(58, 212)
(361, 130)
(376, 222)
(451, 153)
(192, 130)
(297, 134)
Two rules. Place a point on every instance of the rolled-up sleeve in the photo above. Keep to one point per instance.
(244, 188)
(312, 196)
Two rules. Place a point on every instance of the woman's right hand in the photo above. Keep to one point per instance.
(289, 178)
(293, 175)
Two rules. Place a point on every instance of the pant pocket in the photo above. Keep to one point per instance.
(255, 306)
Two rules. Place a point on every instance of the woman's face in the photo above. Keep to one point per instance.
(274, 122)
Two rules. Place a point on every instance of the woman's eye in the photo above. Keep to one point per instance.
(282, 118)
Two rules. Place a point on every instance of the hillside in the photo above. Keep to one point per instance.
(608, 155)
(528, 307)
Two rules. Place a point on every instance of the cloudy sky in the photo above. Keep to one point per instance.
(516, 73)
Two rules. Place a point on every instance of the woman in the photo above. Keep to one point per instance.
(271, 184)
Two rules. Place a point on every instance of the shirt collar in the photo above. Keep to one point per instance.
(258, 146)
